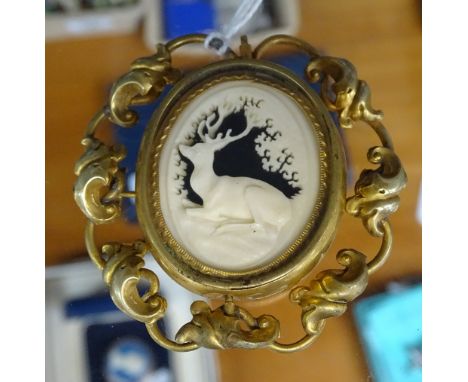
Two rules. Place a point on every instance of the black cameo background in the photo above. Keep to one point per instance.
(247, 157)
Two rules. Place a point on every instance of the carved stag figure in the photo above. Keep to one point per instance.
(231, 202)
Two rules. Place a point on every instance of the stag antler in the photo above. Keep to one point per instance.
(209, 124)
(212, 122)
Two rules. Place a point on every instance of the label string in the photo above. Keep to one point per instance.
(220, 41)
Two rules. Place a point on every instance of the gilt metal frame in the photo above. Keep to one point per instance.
(306, 251)
(99, 190)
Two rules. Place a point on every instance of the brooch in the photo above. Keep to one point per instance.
(240, 185)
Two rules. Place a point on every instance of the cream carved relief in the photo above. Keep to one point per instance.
(238, 181)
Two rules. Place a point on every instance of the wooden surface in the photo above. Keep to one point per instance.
(383, 40)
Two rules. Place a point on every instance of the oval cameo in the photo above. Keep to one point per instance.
(239, 175)
(240, 180)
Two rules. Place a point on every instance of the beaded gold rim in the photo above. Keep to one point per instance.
(99, 190)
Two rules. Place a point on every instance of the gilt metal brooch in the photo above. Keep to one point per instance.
(240, 184)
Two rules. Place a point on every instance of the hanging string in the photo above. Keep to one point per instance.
(221, 41)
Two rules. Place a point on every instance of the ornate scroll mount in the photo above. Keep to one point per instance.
(123, 272)
(99, 189)
(351, 96)
(377, 191)
(142, 85)
(100, 181)
(222, 328)
(329, 293)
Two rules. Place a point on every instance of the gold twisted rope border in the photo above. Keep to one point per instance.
(99, 190)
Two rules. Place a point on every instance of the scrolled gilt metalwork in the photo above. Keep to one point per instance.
(377, 191)
(100, 181)
(329, 293)
(221, 328)
(351, 95)
(99, 189)
(142, 85)
(122, 273)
